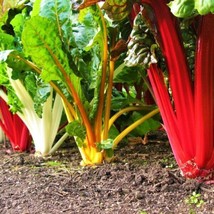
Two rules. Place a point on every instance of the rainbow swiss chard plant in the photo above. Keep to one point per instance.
(40, 115)
(73, 52)
(186, 102)
(35, 103)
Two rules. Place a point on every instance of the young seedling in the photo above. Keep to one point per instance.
(194, 200)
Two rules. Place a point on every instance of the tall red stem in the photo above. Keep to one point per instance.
(13, 127)
(204, 93)
(172, 48)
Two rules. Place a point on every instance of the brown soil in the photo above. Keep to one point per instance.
(141, 179)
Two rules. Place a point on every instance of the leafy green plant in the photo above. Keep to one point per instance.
(195, 199)
(43, 127)
(71, 51)
(28, 96)
(168, 162)
(143, 212)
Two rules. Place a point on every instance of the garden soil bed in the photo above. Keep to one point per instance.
(141, 179)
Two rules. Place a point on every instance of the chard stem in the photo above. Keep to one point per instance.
(99, 116)
(169, 39)
(58, 143)
(204, 91)
(71, 112)
(108, 101)
(122, 111)
(133, 126)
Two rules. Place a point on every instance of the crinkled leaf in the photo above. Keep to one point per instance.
(89, 29)
(83, 36)
(38, 90)
(142, 45)
(86, 49)
(89, 61)
(117, 10)
(59, 12)
(42, 42)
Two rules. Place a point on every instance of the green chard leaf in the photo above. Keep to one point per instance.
(182, 8)
(204, 6)
(36, 8)
(128, 75)
(13, 101)
(107, 146)
(18, 23)
(149, 125)
(38, 90)
(6, 41)
(76, 129)
(88, 54)
(188, 8)
(59, 12)
(42, 43)
(117, 9)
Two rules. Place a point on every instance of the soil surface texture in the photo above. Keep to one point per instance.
(143, 178)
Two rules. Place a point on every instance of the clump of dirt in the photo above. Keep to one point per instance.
(142, 178)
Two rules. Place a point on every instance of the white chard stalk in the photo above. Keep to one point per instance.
(43, 130)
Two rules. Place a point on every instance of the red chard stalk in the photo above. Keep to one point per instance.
(204, 91)
(188, 110)
(13, 127)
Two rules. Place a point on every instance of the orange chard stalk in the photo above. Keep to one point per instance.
(99, 116)
(90, 134)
